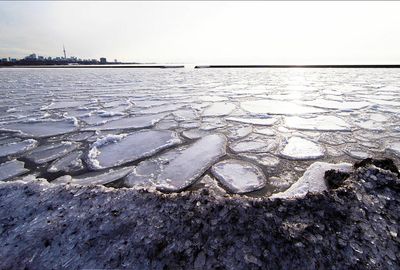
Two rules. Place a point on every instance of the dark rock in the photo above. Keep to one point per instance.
(386, 164)
(335, 178)
(351, 227)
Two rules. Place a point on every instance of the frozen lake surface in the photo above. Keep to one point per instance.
(247, 131)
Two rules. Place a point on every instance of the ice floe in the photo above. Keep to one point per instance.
(70, 163)
(94, 119)
(239, 176)
(339, 105)
(254, 121)
(265, 131)
(266, 160)
(81, 136)
(370, 125)
(357, 154)
(194, 133)
(298, 148)
(161, 109)
(185, 115)
(191, 163)
(337, 138)
(103, 113)
(131, 122)
(313, 180)
(145, 174)
(114, 151)
(38, 129)
(64, 104)
(211, 184)
(282, 182)
(46, 153)
(9, 140)
(14, 148)
(219, 109)
(319, 123)
(241, 132)
(212, 98)
(95, 178)
(277, 107)
(253, 146)
(11, 169)
(394, 147)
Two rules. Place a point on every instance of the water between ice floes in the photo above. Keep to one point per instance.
(173, 129)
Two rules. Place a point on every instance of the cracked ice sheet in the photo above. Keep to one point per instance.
(239, 132)
(129, 148)
(195, 133)
(161, 109)
(81, 136)
(370, 125)
(39, 129)
(146, 172)
(14, 148)
(312, 180)
(339, 105)
(191, 163)
(93, 118)
(219, 109)
(185, 115)
(46, 153)
(130, 123)
(12, 169)
(319, 123)
(394, 147)
(265, 131)
(69, 163)
(64, 104)
(301, 149)
(95, 178)
(239, 176)
(254, 121)
(253, 146)
(277, 107)
(212, 98)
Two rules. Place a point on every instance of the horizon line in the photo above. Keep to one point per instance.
(303, 66)
(170, 65)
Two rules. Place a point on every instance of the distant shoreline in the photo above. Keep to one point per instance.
(297, 66)
(200, 66)
(94, 66)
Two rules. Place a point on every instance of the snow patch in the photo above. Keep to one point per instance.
(313, 180)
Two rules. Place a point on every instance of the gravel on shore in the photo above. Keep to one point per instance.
(354, 226)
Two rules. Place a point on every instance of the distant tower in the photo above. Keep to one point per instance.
(65, 54)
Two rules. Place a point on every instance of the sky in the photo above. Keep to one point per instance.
(205, 32)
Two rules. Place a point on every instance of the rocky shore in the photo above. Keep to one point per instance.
(352, 225)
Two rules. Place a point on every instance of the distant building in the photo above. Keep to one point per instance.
(65, 53)
(31, 57)
(34, 59)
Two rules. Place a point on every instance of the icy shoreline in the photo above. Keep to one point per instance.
(69, 226)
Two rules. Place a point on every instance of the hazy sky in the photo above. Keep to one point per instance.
(206, 32)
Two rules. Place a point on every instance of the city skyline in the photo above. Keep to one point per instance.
(36, 56)
(205, 32)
